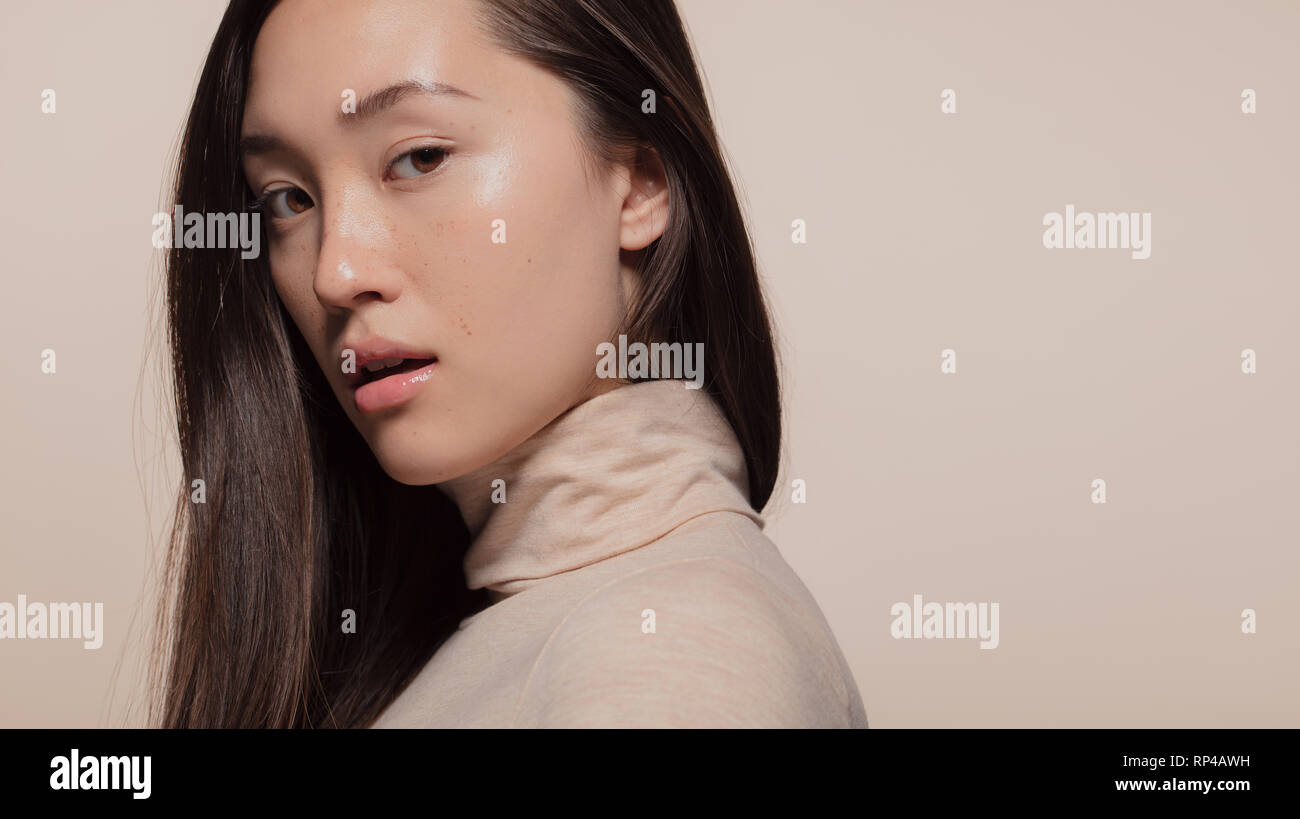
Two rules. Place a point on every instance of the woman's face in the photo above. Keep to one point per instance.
(430, 198)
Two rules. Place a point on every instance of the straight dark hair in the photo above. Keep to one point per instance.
(300, 523)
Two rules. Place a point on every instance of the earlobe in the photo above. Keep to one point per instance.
(645, 210)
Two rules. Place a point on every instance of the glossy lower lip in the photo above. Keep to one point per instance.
(392, 391)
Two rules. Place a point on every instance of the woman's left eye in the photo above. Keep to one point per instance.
(417, 163)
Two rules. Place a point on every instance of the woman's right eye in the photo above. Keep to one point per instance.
(286, 203)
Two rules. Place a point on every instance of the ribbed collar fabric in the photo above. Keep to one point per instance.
(612, 474)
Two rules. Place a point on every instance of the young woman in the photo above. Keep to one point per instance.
(431, 500)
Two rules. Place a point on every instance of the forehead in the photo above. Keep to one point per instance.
(309, 52)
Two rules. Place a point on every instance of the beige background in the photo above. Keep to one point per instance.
(924, 232)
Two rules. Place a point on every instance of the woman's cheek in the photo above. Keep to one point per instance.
(494, 177)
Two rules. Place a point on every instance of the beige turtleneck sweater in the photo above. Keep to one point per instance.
(634, 586)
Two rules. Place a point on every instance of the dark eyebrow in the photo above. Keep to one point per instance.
(258, 144)
(371, 105)
(386, 98)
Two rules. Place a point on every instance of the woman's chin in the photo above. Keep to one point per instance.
(423, 472)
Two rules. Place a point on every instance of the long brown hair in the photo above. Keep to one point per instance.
(300, 523)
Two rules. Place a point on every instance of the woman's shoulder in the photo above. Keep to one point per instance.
(711, 629)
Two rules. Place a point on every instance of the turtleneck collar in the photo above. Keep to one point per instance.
(612, 474)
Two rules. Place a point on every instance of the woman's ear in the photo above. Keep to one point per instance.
(645, 208)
